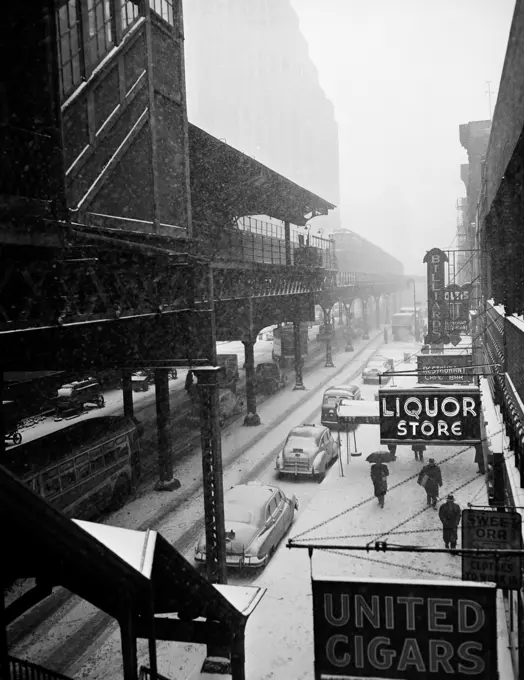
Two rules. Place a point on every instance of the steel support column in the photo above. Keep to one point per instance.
(388, 310)
(299, 382)
(166, 480)
(4, 662)
(128, 638)
(287, 239)
(340, 314)
(127, 393)
(328, 328)
(251, 417)
(349, 344)
(211, 444)
(365, 319)
(377, 311)
(238, 656)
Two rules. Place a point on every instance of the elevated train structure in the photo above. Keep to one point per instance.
(356, 254)
(118, 241)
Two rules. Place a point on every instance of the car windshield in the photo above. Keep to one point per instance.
(238, 513)
(332, 400)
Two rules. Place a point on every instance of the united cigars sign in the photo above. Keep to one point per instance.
(404, 629)
(428, 415)
(450, 368)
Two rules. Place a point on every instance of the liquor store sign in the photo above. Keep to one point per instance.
(450, 368)
(436, 415)
(404, 629)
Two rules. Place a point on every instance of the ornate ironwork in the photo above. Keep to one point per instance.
(87, 286)
(212, 475)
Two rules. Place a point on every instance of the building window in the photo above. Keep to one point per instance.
(129, 13)
(70, 46)
(99, 18)
(164, 8)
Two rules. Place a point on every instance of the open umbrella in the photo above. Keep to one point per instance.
(381, 457)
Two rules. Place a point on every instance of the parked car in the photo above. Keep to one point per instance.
(257, 517)
(309, 450)
(140, 381)
(374, 369)
(74, 395)
(269, 378)
(331, 398)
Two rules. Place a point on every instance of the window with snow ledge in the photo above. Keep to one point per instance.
(70, 48)
(129, 12)
(165, 9)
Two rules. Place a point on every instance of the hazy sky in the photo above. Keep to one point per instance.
(403, 75)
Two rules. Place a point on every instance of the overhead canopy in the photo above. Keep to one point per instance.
(227, 184)
(109, 567)
(358, 412)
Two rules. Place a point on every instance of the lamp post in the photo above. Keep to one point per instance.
(417, 337)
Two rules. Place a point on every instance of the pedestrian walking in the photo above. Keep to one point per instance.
(379, 473)
(430, 478)
(449, 514)
(189, 381)
(479, 459)
(418, 450)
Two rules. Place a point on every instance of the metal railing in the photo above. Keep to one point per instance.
(19, 669)
(245, 246)
(256, 226)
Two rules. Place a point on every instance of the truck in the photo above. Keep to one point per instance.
(284, 343)
(228, 376)
(403, 326)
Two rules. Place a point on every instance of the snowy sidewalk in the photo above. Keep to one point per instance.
(345, 512)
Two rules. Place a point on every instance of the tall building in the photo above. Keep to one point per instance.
(474, 137)
(251, 81)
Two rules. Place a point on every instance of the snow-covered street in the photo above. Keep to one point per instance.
(248, 453)
(84, 643)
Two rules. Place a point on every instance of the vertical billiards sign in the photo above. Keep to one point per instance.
(404, 629)
(437, 308)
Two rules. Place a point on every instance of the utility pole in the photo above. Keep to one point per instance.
(489, 93)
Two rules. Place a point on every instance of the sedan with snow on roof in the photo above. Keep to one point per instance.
(374, 371)
(257, 517)
(309, 450)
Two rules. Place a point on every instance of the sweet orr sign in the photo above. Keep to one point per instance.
(429, 415)
(416, 629)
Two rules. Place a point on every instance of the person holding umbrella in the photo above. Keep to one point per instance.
(379, 473)
(430, 478)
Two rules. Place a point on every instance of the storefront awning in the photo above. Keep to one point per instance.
(358, 412)
(226, 184)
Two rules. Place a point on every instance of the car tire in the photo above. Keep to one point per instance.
(100, 401)
(17, 438)
(320, 476)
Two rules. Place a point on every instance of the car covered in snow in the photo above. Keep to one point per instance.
(374, 370)
(309, 450)
(257, 517)
(331, 399)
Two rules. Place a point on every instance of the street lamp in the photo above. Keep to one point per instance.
(417, 337)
